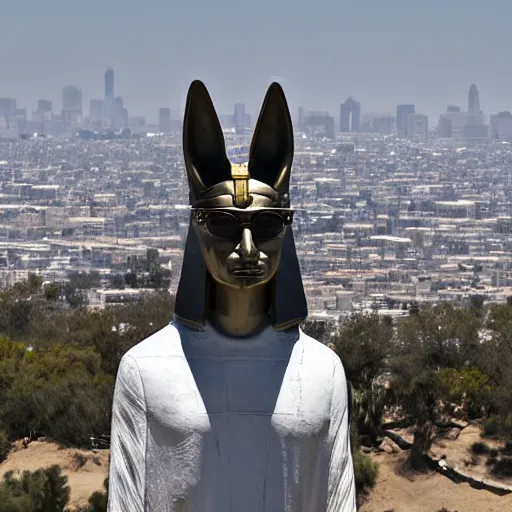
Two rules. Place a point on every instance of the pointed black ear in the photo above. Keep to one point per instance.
(271, 153)
(204, 148)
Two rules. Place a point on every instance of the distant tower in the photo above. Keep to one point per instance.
(109, 84)
(402, 112)
(71, 98)
(350, 116)
(239, 118)
(72, 107)
(109, 117)
(300, 120)
(164, 120)
(473, 100)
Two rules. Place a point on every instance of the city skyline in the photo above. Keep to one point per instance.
(111, 113)
(471, 97)
(382, 54)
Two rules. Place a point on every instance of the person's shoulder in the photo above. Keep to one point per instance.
(163, 342)
(320, 353)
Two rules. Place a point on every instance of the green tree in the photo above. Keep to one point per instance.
(364, 345)
(435, 338)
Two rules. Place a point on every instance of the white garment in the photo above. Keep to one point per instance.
(206, 423)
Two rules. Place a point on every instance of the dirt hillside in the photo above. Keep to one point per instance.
(83, 479)
(427, 493)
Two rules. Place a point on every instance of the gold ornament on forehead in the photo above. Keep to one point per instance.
(241, 176)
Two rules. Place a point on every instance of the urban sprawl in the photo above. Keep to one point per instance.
(389, 214)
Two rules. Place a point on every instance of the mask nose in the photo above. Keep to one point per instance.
(246, 248)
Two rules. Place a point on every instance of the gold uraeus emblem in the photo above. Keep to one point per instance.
(241, 176)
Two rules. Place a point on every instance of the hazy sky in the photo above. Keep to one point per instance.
(381, 52)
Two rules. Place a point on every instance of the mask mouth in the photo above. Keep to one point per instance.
(248, 270)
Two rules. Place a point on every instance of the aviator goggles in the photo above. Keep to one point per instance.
(265, 224)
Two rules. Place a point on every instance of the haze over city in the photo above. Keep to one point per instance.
(381, 53)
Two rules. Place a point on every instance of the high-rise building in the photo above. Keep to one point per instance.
(109, 84)
(445, 127)
(452, 108)
(72, 108)
(96, 112)
(120, 120)
(402, 111)
(109, 106)
(164, 120)
(21, 119)
(319, 124)
(383, 124)
(71, 98)
(44, 111)
(239, 118)
(300, 119)
(248, 123)
(44, 106)
(473, 99)
(350, 116)
(417, 126)
(8, 110)
(501, 126)
(8, 119)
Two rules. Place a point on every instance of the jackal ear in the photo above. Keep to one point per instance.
(271, 152)
(204, 148)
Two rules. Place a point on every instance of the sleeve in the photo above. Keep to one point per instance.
(342, 492)
(127, 441)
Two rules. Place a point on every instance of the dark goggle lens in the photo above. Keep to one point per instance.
(267, 226)
(263, 226)
(222, 225)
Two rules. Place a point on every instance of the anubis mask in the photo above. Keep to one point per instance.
(240, 233)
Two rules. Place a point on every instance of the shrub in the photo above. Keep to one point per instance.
(503, 468)
(39, 491)
(79, 461)
(365, 471)
(498, 427)
(5, 445)
(480, 448)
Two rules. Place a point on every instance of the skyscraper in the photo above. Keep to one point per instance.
(473, 100)
(71, 98)
(300, 119)
(96, 112)
(109, 105)
(239, 118)
(417, 126)
(8, 119)
(109, 84)
(8, 109)
(350, 116)
(44, 106)
(72, 108)
(402, 111)
(164, 120)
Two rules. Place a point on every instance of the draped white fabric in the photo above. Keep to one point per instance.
(206, 423)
